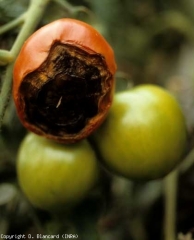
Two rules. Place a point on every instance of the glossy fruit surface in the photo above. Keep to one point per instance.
(144, 136)
(55, 176)
(63, 80)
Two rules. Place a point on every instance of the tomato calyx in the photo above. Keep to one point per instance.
(67, 90)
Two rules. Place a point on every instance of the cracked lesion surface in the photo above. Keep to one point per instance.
(64, 92)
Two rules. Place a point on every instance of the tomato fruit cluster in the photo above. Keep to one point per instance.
(63, 90)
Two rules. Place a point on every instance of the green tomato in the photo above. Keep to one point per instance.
(144, 136)
(55, 176)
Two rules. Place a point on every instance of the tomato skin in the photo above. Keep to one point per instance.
(144, 136)
(55, 176)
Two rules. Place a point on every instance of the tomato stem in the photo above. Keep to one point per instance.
(12, 24)
(34, 13)
(73, 10)
(170, 192)
(5, 57)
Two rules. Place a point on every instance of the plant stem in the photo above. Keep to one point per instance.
(34, 14)
(170, 191)
(72, 9)
(10, 25)
(5, 57)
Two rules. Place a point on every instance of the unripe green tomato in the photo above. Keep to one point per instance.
(55, 176)
(144, 136)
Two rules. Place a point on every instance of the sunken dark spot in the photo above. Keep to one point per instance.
(64, 92)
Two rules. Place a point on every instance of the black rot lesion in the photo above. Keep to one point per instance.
(64, 92)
